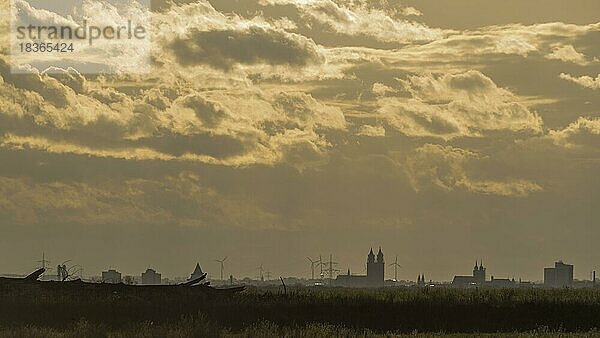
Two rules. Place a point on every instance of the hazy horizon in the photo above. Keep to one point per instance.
(272, 130)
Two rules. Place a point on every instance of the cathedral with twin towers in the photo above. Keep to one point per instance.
(375, 273)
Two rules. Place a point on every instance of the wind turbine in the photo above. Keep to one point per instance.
(74, 270)
(62, 272)
(312, 266)
(396, 266)
(222, 265)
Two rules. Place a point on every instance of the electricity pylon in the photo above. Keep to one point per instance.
(330, 270)
(43, 261)
(261, 271)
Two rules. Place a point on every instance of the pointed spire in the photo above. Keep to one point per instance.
(197, 272)
(380, 256)
(198, 269)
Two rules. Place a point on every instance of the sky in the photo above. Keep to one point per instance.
(272, 130)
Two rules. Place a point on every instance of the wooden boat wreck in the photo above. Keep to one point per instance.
(195, 285)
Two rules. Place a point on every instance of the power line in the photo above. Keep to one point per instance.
(331, 270)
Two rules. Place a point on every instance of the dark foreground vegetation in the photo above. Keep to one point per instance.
(41, 309)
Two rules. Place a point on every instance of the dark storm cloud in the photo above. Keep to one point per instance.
(223, 49)
(218, 146)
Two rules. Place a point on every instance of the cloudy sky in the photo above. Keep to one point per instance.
(271, 130)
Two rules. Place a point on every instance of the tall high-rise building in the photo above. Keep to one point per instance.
(111, 276)
(151, 277)
(560, 275)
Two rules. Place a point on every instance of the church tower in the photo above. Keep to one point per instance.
(375, 268)
(479, 273)
(370, 266)
(380, 268)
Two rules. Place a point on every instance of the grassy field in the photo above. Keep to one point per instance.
(55, 311)
(202, 328)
